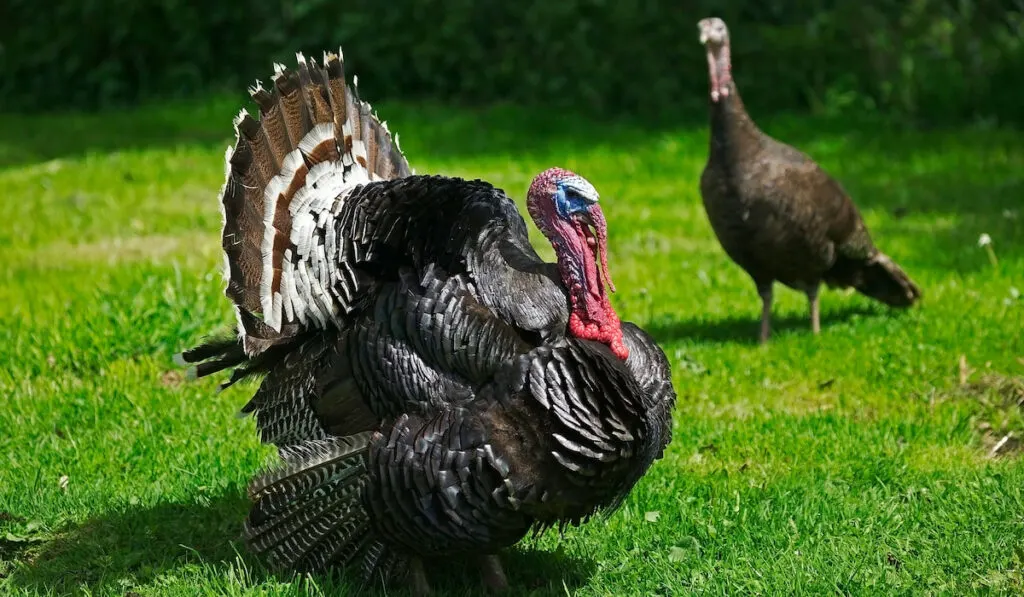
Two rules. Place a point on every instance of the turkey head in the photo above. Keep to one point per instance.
(564, 207)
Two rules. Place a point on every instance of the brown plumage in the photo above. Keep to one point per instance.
(422, 376)
(309, 118)
(777, 213)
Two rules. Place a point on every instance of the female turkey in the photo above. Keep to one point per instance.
(434, 388)
(777, 213)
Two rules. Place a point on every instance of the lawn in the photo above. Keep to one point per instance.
(880, 458)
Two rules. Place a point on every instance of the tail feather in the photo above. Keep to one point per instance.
(276, 525)
(883, 280)
(306, 464)
(222, 348)
(218, 354)
(303, 531)
(382, 562)
(308, 513)
(212, 356)
(345, 542)
(314, 139)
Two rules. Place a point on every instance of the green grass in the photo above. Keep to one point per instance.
(853, 463)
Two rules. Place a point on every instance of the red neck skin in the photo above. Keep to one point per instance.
(583, 264)
(720, 70)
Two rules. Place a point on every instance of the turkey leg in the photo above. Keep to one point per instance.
(812, 297)
(766, 311)
(418, 585)
(493, 574)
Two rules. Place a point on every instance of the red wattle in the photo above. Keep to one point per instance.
(607, 332)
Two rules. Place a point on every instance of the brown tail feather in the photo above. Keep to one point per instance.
(308, 117)
(883, 280)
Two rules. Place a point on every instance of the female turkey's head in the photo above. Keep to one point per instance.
(715, 37)
(564, 207)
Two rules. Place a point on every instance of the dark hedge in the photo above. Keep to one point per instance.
(930, 60)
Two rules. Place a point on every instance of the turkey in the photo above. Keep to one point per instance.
(434, 389)
(777, 213)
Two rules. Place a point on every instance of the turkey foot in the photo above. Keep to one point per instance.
(493, 574)
(766, 313)
(812, 296)
(418, 585)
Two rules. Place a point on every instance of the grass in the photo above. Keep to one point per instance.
(857, 462)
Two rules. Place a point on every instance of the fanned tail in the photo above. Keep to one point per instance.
(314, 140)
(288, 171)
(883, 280)
(308, 513)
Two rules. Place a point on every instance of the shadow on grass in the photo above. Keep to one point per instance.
(744, 329)
(530, 572)
(120, 550)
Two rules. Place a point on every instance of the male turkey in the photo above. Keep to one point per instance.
(434, 388)
(777, 213)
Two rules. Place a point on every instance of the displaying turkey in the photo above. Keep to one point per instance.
(434, 388)
(777, 213)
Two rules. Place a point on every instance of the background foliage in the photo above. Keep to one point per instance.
(934, 60)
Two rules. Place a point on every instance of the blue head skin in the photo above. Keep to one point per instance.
(574, 195)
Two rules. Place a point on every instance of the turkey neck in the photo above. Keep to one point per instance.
(733, 133)
(732, 130)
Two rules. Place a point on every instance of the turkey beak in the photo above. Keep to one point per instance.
(703, 26)
(585, 217)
